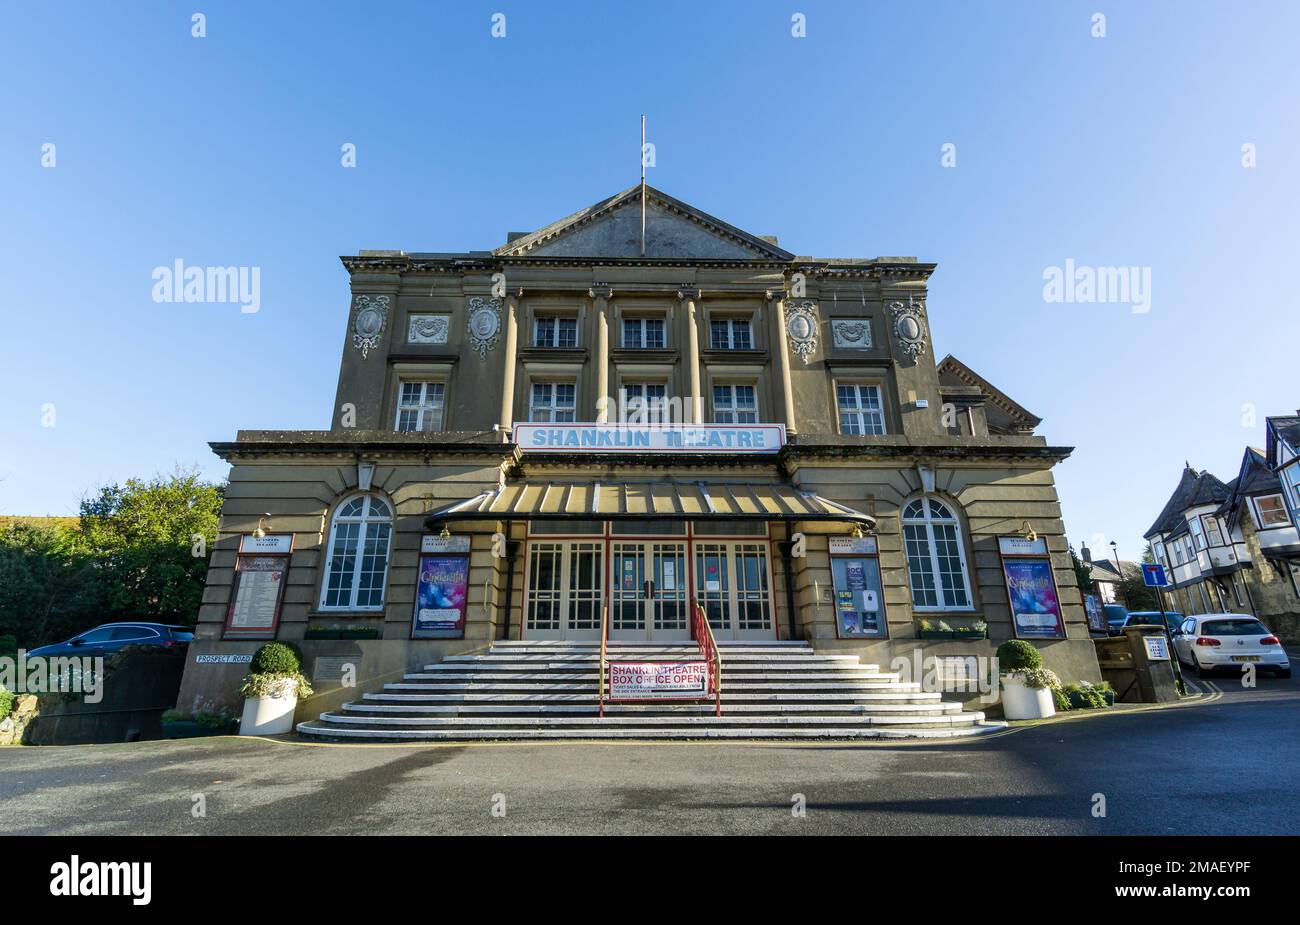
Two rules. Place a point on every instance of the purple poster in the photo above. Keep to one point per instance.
(440, 597)
(1034, 607)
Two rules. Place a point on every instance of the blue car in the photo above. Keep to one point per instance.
(1116, 617)
(109, 638)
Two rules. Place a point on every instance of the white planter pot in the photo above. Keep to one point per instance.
(1021, 702)
(269, 716)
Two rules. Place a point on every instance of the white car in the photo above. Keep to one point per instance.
(1214, 641)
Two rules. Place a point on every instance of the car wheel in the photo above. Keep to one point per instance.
(1283, 673)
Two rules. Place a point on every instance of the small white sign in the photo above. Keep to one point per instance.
(270, 544)
(438, 544)
(1157, 651)
(670, 575)
(853, 546)
(1019, 546)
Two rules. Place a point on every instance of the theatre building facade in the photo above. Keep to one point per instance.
(597, 431)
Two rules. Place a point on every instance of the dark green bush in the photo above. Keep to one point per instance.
(1016, 654)
(1059, 700)
(1085, 698)
(276, 658)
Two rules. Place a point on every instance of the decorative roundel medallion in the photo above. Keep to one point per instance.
(801, 328)
(369, 322)
(484, 324)
(909, 326)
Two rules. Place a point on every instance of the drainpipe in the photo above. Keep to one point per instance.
(787, 565)
(511, 549)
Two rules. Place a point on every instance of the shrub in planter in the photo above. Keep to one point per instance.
(1026, 685)
(931, 630)
(271, 690)
(7, 698)
(1017, 655)
(1085, 697)
(1059, 700)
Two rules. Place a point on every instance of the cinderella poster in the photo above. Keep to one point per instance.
(1034, 605)
(440, 597)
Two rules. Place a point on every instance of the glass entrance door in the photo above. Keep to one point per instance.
(733, 584)
(565, 590)
(648, 591)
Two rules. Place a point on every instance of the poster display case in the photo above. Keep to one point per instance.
(859, 596)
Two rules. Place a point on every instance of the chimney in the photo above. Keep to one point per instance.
(1086, 553)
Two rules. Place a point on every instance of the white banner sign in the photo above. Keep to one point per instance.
(657, 680)
(436, 544)
(663, 438)
(269, 544)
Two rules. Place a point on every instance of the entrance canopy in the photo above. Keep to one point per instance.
(528, 500)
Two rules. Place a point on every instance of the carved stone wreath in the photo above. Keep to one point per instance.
(369, 322)
(483, 324)
(909, 326)
(801, 327)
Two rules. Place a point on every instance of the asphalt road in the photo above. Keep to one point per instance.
(1229, 765)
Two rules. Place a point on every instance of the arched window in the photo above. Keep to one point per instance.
(357, 561)
(936, 562)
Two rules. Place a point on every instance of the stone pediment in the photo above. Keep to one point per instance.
(612, 228)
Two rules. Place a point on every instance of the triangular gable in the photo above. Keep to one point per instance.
(612, 228)
(1283, 436)
(953, 371)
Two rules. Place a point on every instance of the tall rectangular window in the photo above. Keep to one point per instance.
(420, 406)
(644, 333)
(1212, 530)
(735, 404)
(860, 410)
(552, 402)
(644, 403)
(555, 331)
(1198, 536)
(731, 334)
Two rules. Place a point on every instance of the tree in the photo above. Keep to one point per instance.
(1135, 594)
(1082, 573)
(150, 541)
(49, 588)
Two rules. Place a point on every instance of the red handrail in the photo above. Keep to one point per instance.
(702, 632)
(604, 659)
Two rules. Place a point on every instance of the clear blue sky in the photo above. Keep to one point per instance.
(1124, 150)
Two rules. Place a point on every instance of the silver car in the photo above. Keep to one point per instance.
(1217, 641)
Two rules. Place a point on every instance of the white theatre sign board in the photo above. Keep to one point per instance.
(755, 439)
(658, 680)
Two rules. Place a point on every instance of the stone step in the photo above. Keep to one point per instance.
(622, 644)
(727, 686)
(664, 721)
(590, 695)
(845, 674)
(529, 658)
(317, 729)
(591, 707)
